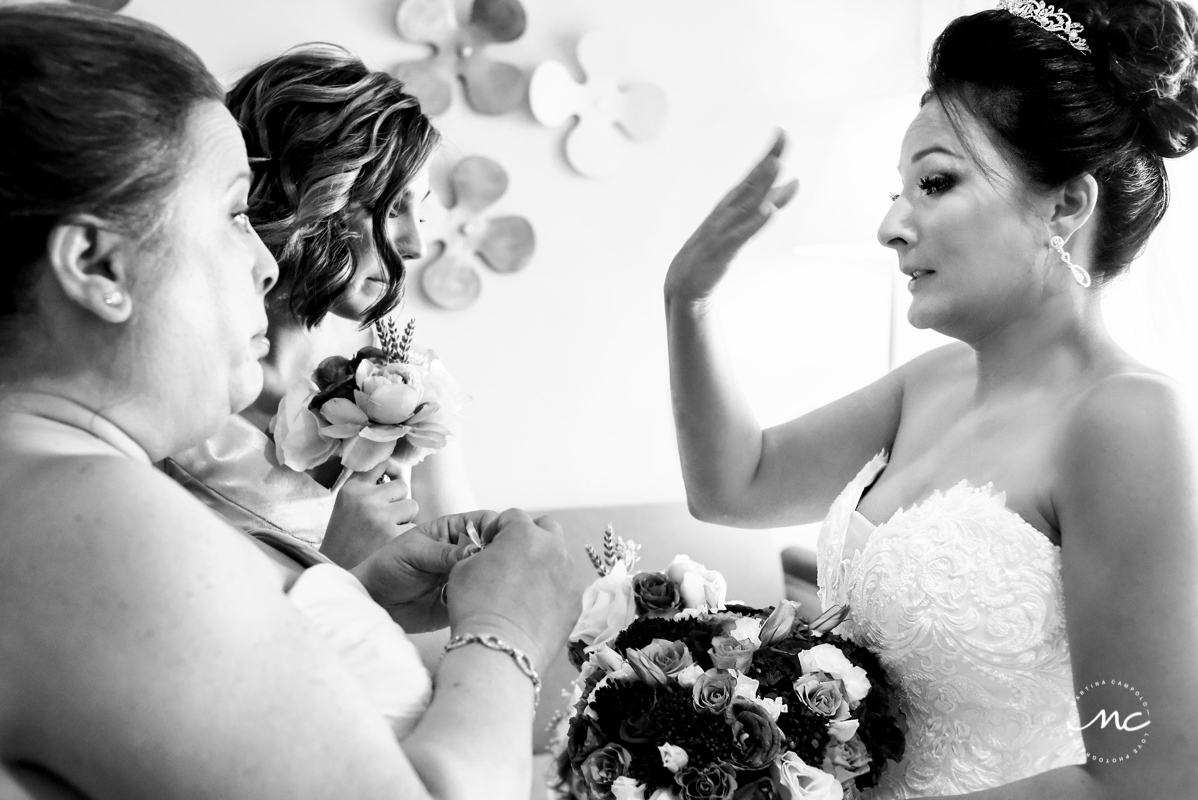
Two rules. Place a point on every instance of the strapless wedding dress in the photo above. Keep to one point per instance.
(961, 600)
(383, 663)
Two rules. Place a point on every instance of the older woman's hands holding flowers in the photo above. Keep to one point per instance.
(408, 575)
(522, 587)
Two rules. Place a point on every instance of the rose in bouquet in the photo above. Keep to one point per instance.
(684, 696)
(384, 403)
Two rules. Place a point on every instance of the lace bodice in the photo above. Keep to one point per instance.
(961, 599)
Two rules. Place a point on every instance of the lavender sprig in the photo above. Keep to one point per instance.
(405, 344)
(609, 546)
(596, 561)
(388, 335)
(615, 550)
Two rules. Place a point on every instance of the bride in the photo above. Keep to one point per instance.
(1020, 543)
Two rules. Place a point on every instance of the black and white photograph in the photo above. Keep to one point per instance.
(598, 399)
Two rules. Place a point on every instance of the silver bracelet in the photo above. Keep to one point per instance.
(495, 643)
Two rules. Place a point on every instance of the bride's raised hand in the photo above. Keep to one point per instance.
(703, 261)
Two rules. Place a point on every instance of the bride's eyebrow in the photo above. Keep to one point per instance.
(936, 148)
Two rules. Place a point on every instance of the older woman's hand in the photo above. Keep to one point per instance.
(522, 588)
(407, 575)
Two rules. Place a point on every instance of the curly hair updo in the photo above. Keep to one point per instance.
(1058, 113)
(327, 137)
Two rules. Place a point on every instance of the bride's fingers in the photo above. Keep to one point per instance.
(779, 145)
(781, 195)
(755, 186)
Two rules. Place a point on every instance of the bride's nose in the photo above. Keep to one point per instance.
(896, 230)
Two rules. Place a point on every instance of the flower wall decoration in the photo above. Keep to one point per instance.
(459, 53)
(461, 236)
(604, 105)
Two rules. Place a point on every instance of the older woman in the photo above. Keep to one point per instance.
(148, 649)
(1030, 537)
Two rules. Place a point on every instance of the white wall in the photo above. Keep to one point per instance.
(566, 360)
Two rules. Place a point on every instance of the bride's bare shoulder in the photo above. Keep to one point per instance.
(1133, 427)
(947, 364)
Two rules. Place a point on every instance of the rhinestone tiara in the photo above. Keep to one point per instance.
(1050, 19)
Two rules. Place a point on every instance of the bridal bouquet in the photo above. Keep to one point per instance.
(683, 696)
(385, 402)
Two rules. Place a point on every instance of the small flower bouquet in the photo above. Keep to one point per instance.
(682, 696)
(383, 403)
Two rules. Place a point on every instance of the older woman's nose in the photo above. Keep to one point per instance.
(266, 269)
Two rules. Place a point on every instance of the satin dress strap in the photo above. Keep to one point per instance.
(236, 474)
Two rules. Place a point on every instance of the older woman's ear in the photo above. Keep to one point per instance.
(90, 263)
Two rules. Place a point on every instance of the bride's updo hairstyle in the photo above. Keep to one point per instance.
(93, 111)
(1057, 113)
(326, 137)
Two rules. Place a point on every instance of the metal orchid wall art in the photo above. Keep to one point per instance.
(463, 237)
(459, 54)
(610, 111)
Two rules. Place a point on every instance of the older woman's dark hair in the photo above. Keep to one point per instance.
(1058, 113)
(327, 137)
(93, 109)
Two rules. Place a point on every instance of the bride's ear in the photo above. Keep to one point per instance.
(1073, 205)
(90, 262)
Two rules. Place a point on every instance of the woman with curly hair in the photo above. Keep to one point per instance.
(340, 160)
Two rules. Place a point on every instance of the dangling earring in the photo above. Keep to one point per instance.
(114, 298)
(1079, 273)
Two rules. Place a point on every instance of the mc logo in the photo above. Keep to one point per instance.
(1117, 701)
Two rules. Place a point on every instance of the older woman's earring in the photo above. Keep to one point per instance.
(114, 298)
(1079, 273)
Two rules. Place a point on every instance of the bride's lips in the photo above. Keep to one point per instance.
(917, 276)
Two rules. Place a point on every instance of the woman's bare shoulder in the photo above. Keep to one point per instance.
(1132, 431)
(93, 544)
(56, 501)
(1131, 399)
(947, 363)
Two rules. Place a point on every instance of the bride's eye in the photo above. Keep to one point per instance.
(242, 220)
(894, 196)
(935, 184)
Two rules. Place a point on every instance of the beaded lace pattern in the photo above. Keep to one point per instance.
(962, 601)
